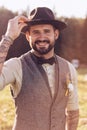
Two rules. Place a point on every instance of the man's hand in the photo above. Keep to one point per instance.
(15, 26)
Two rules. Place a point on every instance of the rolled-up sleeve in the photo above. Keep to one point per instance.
(11, 74)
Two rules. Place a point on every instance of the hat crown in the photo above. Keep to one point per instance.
(41, 13)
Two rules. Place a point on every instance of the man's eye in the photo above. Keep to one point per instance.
(35, 32)
(47, 31)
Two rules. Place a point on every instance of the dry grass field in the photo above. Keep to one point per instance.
(82, 91)
(7, 108)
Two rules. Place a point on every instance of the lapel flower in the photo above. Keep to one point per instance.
(69, 84)
(70, 87)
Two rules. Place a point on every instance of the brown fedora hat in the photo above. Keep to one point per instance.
(43, 15)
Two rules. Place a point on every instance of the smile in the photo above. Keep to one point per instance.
(42, 44)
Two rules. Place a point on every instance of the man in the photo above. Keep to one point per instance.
(44, 86)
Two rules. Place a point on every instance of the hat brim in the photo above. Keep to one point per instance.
(56, 23)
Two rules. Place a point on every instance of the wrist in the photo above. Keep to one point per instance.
(7, 38)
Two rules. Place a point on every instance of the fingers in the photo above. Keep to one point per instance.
(19, 19)
(22, 19)
(21, 25)
(15, 26)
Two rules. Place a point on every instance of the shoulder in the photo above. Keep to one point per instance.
(65, 62)
(13, 63)
(72, 70)
(71, 67)
(62, 63)
(24, 56)
(61, 59)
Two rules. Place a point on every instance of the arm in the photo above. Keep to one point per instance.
(72, 119)
(13, 31)
(14, 28)
(73, 107)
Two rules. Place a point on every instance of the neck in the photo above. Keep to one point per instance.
(45, 56)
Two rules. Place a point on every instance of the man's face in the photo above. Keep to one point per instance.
(42, 38)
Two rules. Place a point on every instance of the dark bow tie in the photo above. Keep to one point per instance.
(50, 61)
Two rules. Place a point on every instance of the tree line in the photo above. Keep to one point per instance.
(72, 42)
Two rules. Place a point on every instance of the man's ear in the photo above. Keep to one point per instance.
(56, 34)
(27, 36)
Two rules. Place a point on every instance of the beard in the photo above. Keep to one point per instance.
(43, 50)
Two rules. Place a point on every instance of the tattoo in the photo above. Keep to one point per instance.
(4, 47)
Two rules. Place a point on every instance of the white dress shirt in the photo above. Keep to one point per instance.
(12, 73)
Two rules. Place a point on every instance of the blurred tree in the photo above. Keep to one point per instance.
(84, 42)
(70, 44)
(5, 15)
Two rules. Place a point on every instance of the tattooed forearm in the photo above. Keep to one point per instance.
(5, 44)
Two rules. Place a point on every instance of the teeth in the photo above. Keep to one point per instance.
(41, 44)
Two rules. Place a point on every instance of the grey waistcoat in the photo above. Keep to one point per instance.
(36, 109)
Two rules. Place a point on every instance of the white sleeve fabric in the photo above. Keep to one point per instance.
(73, 95)
(12, 74)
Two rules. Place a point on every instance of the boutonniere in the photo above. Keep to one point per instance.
(69, 85)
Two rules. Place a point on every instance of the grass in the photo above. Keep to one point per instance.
(82, 92)
(7, 109)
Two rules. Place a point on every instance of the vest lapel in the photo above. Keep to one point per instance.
(42, 72)
(61, 74)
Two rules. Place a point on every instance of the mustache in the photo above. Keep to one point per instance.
(39, 41)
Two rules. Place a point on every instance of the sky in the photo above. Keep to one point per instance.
(66, 8)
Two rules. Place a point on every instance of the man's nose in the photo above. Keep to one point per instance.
(42, 36)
